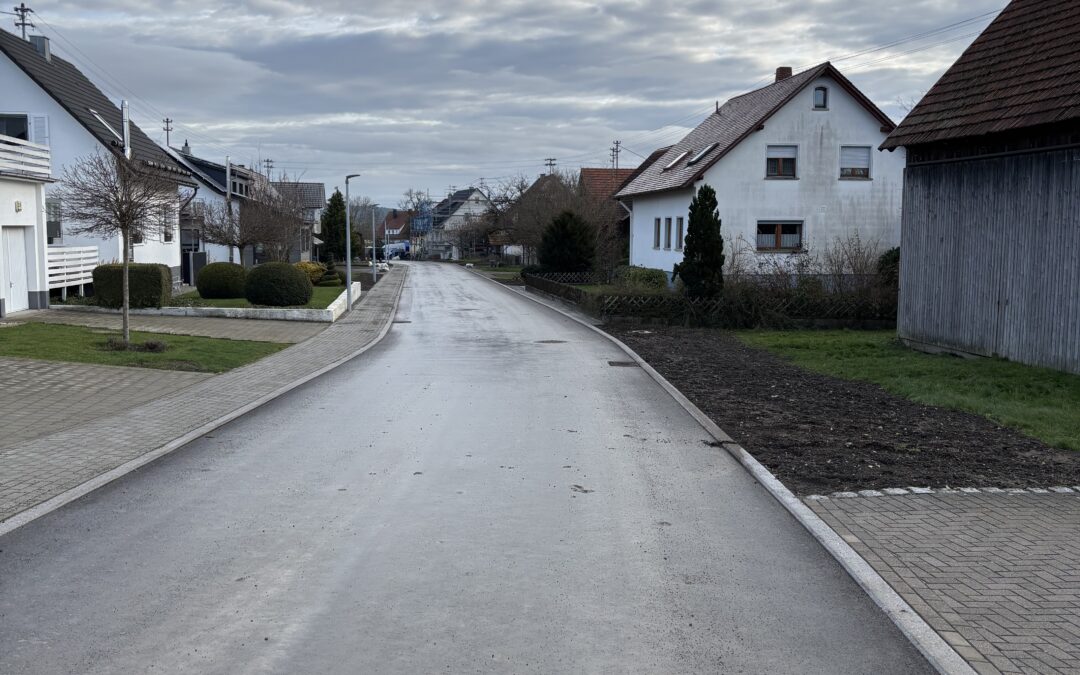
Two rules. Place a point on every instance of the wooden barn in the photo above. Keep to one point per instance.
(990, 240)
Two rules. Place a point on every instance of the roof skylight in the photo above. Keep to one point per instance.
(679, 158)
(701, 155)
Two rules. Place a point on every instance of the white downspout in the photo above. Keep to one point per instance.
(126, 119)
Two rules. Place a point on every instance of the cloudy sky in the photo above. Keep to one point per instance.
(434, 94)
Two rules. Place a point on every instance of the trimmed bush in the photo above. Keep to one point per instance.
(313, 270)
(277, 284)
(221, 280)
(149, 285)
(642, 277)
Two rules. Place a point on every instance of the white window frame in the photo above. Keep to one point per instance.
(680, 233)
(813, 99)
(869, 162)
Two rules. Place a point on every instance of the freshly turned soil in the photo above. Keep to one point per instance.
(820, 434)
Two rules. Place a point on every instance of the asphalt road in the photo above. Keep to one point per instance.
(482, 492)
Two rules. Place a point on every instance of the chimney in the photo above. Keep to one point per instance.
(783, 73)
(186, 149)
(125, 118)
(41, 44)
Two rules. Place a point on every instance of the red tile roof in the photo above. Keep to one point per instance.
(1022, 71)
(602, 184)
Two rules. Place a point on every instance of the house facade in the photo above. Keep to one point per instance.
(794, 166)
(990, 253)
(452, 216)
(311, 199)
(48, 101)
(24, 172)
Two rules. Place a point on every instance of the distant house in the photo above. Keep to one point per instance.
(48, 101)
(793, 166)
(456, 214)
(990, 255)
(611, 220)
(312, 200)
(221, 186)
(395, 232)
(24, 171)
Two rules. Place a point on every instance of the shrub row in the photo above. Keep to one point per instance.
(272, 284)
(149, 285)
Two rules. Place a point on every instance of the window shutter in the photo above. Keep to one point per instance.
(39, 125)
(854, 157)
(782, 152)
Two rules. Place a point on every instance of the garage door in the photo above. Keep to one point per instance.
(14, 252)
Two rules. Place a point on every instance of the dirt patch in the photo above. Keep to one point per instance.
(820, 434)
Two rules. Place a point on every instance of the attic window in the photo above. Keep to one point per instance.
(105, 124)
(701, 155)
(821, 98)
(679, 158)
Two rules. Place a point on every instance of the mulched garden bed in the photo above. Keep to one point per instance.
(820, 434)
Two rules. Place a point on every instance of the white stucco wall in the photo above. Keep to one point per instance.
(828, 206)
(22, 205)
(68, 142)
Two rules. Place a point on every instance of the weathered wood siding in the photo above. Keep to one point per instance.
(991, 257)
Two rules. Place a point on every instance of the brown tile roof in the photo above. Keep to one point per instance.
(602, 184)
(396, 220)
(1022, 71)
(728, 126)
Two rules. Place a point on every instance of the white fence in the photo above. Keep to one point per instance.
(23, 158)
(71, 266)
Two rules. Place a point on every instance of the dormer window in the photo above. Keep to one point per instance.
(679, 158)
(821, 98)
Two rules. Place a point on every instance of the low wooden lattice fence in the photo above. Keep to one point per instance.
(579, 278)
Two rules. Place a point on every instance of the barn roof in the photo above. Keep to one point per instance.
(1022, 71)
(721, 131)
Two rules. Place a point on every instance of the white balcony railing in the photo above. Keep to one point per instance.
(71, 266)
(23, 158)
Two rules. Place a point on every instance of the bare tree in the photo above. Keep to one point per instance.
(108, 195)
(276, 218)
(413, 199)
(228, 224)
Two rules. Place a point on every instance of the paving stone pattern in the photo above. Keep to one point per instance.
(258, 330)
(996, 574)
(38, 398)
(33, 472)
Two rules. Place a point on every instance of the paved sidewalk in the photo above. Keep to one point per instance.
(39, 398)
(40, 469)
(259, 330)
(997, 574)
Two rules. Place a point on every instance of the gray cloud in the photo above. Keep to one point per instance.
(431, 94)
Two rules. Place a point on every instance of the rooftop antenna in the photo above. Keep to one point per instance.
(168, 129)
(24, 20)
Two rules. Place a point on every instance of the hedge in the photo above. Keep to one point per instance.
(149, 285)
(314, 270)
(277, 284)
(221, 280)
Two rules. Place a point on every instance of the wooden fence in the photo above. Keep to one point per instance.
(24, 158)
(71, 266)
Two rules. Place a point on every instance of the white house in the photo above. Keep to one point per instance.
(794, 165)
(24, 171)
(48, 101)
(456, 212)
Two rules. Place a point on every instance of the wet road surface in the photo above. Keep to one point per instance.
(482, 492)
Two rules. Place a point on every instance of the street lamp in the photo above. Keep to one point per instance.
(374, 255)
(348, 245)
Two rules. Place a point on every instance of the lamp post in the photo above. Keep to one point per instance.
(348, 245)
(374, 255)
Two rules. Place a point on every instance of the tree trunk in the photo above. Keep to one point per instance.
(127, 301)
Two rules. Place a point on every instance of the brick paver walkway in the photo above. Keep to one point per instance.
(38, 398)
(996, 574)
(258, 330)
(33, 472)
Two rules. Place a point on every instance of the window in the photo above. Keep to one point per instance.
(678, 158)
(667, 234)
(704, 151)
(16, 126)
(136, 237)
(167, 234)
(854, 161)
(780, 161)
(678, 234)
(656, 233)
(54, 225)
(821, 98)
(779, 236)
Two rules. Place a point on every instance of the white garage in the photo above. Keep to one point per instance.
(24, 170)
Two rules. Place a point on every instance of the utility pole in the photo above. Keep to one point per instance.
(615, 154)
(24, 21)
(168, 129)
(550, 163)
(269, 164)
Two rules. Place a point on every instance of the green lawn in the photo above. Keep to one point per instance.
(1040, 402)
(320, 299)
(57, 342)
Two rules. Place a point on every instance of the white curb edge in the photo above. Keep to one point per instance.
(68, 496)
(932, 646)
